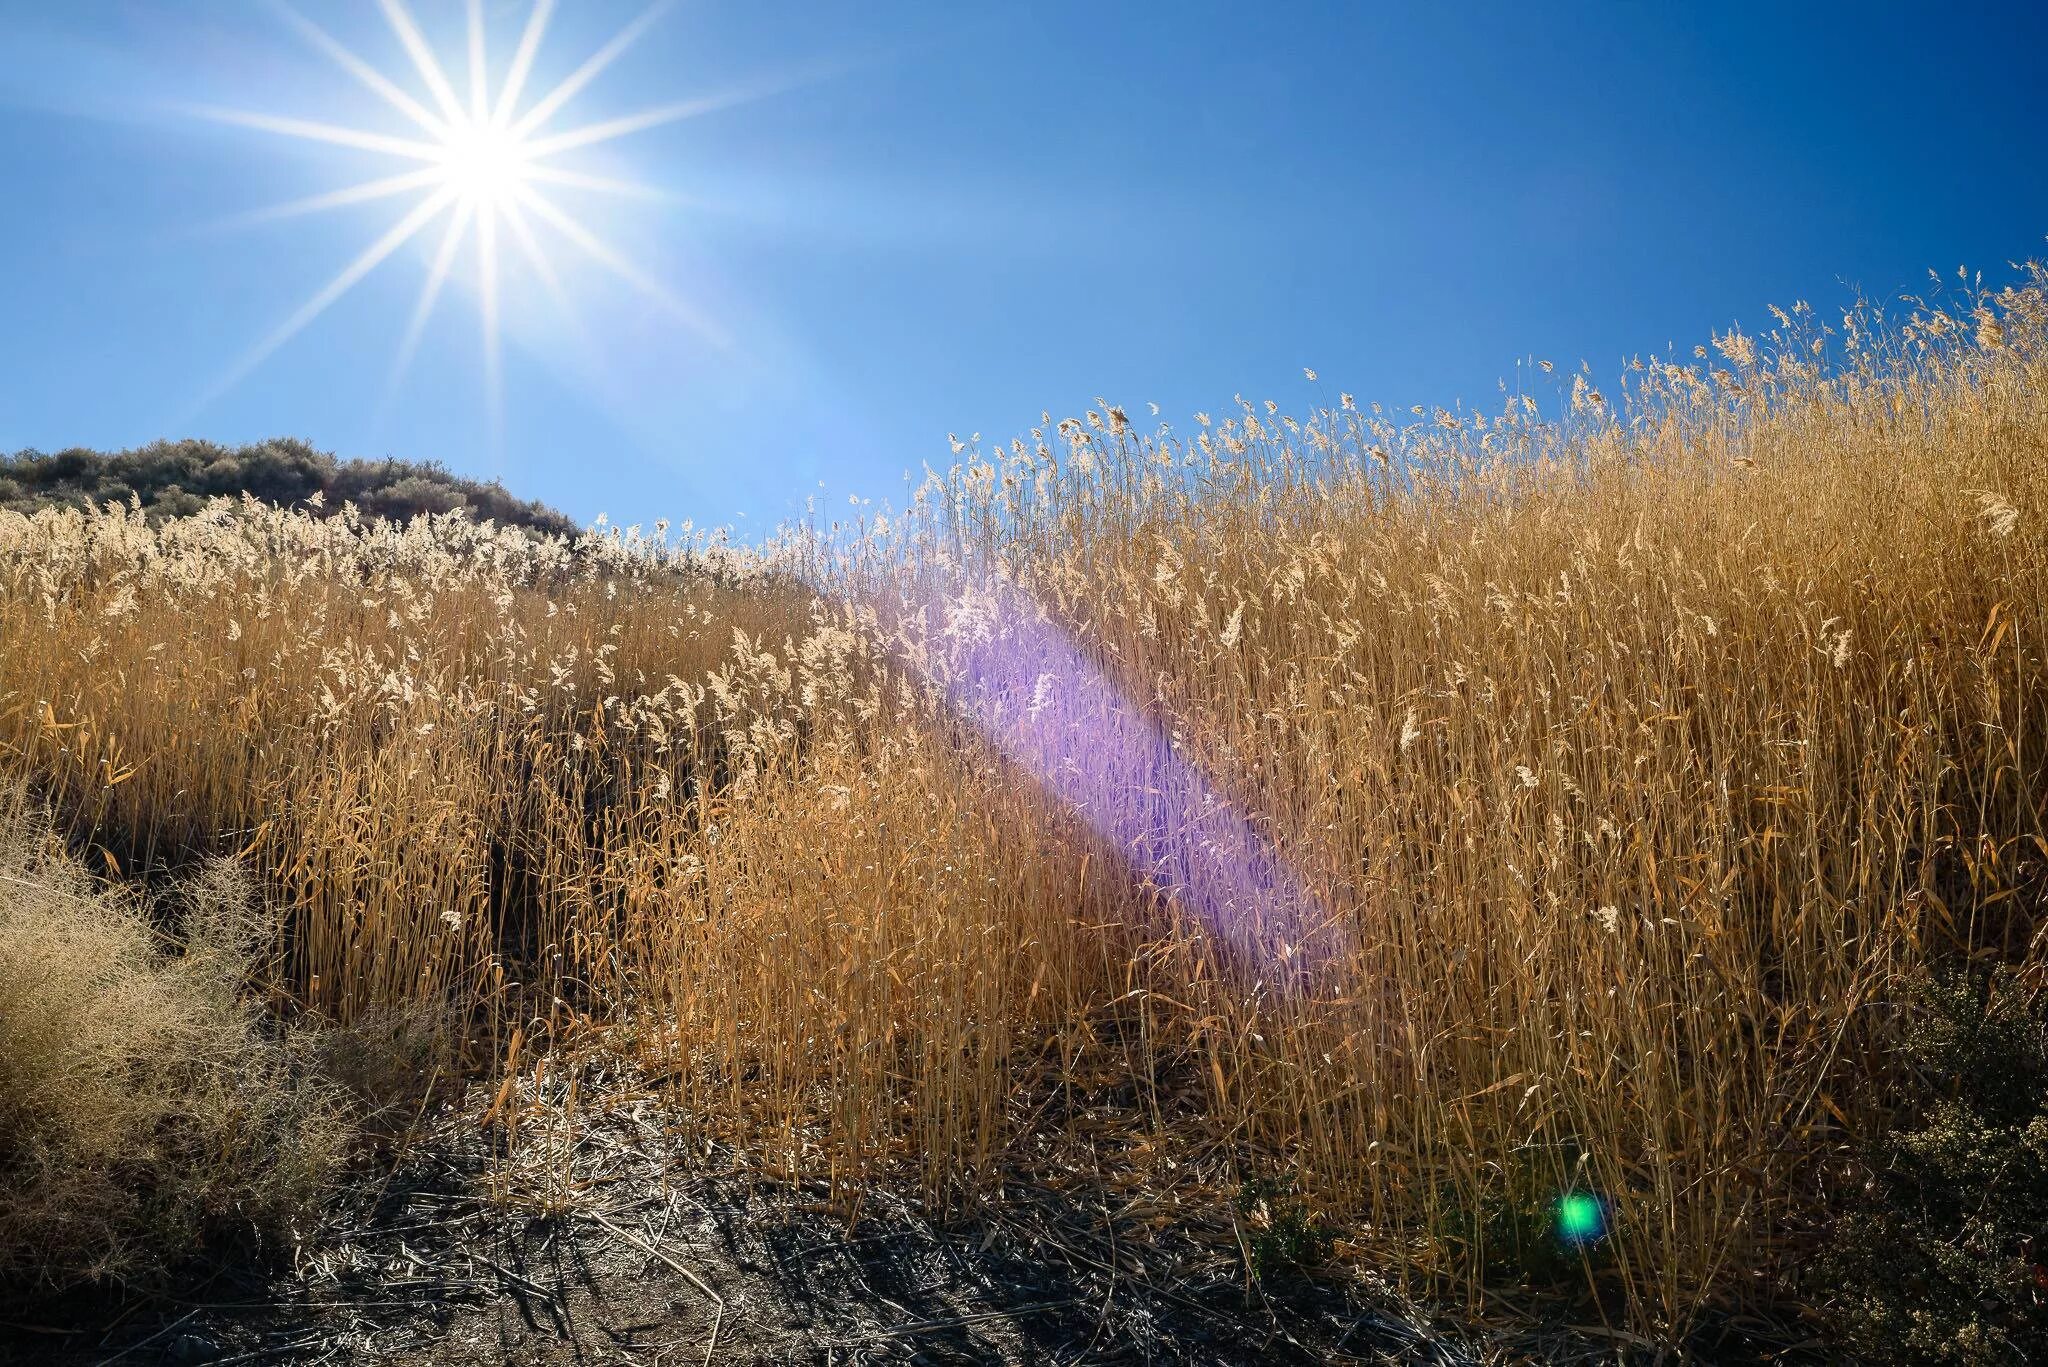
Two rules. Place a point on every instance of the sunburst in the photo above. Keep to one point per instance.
(483, 162)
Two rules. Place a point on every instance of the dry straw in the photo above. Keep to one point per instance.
(1615, 757)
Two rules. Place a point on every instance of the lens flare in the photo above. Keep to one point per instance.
(482, 162)
(1581, 1219)
(1058, 715)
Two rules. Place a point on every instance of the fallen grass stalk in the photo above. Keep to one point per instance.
(717, 1301)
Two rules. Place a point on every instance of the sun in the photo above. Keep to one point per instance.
(483, 165)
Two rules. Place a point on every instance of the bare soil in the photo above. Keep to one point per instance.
(631, 1252)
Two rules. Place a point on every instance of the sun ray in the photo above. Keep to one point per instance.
(423, 58)
(537, 259)
(355, 66)
(324, 132)
(610, 185)
(522, 61)
(543, 110)
(529, 248)
(334, 199)
(486, 157)
(487, 309)
(591, 134)
(597, 250)
(479, 70)
(430, 293)
(422, 214)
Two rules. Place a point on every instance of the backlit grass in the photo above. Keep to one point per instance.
(1458, 810)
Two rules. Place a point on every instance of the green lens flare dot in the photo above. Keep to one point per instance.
(1581, 1218)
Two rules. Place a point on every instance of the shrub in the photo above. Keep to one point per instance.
(1942, 1262)
(175, 478)
(391, 1066)
(1285, 1234)
(144, 1115)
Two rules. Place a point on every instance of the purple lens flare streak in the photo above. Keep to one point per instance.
(1055, 714)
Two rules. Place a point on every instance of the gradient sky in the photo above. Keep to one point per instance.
(919, 219)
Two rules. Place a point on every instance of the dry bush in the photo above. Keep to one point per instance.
(1940, 1258)
(144, 1116)
(1450, 810)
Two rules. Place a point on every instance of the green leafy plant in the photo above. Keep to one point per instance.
(176, 478)
(1285, 1234)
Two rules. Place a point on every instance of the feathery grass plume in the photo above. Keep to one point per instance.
(1269, 771)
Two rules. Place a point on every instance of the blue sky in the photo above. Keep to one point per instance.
(904, 220)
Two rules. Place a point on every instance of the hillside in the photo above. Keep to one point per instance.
(175, 478)
(1580, 864)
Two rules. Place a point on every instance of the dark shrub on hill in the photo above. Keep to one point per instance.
(172, 478)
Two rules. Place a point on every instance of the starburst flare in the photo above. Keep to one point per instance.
(480, 163)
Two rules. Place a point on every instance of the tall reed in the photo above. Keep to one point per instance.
(1457, 809)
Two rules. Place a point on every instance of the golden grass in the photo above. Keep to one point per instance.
(1602, 773)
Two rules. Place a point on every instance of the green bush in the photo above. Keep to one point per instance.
(174, 478)
(1285, 1235)
(1941, 1261)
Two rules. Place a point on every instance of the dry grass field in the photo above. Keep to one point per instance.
(1415, 817)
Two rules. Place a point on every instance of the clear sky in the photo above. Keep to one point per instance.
(887, 221)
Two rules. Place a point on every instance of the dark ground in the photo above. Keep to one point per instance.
(595, 1251)
(594, 1236)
